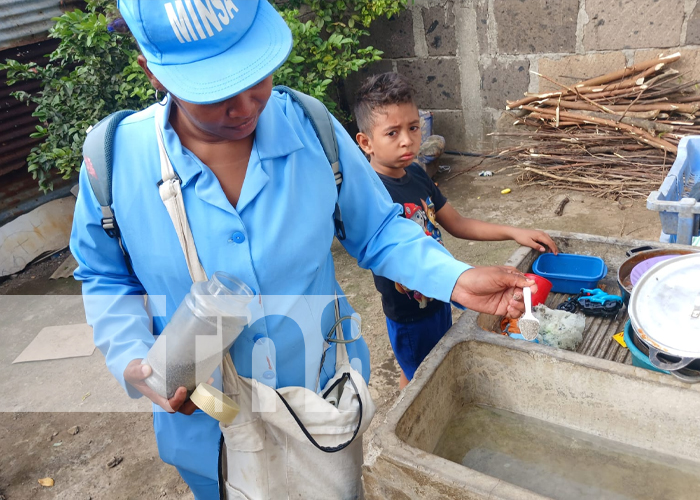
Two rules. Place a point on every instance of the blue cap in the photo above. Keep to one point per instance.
(205, 51)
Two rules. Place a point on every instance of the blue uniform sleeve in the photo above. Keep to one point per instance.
(114, 299)
(381, 240)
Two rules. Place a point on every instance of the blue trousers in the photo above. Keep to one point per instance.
(412, 342)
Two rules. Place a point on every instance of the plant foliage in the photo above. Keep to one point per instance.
(94, 71)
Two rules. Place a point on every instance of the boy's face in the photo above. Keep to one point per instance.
(395, 138)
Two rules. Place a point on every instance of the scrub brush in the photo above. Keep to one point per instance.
(529, 325)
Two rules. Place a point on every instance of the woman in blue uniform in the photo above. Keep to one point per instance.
(259, 195)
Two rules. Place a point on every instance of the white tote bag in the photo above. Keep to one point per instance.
(303, 445)
(306, 445)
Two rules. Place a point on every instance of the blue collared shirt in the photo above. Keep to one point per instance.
(277, 239)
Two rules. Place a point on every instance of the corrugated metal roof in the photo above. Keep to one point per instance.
(18, 191)
(16, 120)
(27, 21)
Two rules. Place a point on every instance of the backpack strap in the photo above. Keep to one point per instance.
(98, 156)
(322, 123)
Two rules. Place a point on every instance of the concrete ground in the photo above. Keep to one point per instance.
(41, 402)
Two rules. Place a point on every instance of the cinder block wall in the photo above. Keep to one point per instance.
(467, 57)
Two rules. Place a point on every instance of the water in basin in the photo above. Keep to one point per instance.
(561, 463)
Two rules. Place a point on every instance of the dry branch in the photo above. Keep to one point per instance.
(613, 135)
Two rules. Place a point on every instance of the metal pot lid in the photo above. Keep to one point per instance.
(665, 306)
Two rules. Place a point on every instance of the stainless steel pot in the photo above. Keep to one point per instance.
(637, 256)
(689, 374)
(664, 309)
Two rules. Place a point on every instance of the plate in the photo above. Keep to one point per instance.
(641, 268)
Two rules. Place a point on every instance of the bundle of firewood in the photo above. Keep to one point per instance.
(616, 134)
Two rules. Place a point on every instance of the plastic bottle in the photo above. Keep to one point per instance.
(202, 329)
(264, 361)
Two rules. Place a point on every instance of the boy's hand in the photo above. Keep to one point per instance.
(135, 374)
(534, 238)
(493, 290)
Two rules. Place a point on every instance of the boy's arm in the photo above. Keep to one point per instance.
(472, 229)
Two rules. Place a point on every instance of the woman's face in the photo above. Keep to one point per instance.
(230, 120)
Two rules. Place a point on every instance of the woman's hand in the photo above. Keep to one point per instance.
(135, 374)
(493, 290)
(534, 238)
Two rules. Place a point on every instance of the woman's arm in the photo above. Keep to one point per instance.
(114, 299)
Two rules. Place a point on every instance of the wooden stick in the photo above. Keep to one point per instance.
(636, 131)
(616, 75)
(648, 125)
(533, 98)
(610, 93)
(572, 91)
(593, 182)
(636, 80)
(560, 209)
(679, 107)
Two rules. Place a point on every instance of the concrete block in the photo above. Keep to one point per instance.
(692, 35)
(496, 120)
(394, 36)
(44, 230)
(450, 125)
(532, 26)
(631, 24)
(571, 69)
(501, 81)
(437, 82)
(505, 123)
(688, 65)
(439, 24)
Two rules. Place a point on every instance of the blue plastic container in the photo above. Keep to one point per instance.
(639, 359)
(569, 273)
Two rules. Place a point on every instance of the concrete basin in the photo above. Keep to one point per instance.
(575, 426)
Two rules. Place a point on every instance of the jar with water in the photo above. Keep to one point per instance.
(201, 331)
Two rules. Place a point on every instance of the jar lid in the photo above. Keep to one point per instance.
(665, 306)
(215, 403)
(223, 295)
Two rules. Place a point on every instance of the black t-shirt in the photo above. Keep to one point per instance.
(420, 199)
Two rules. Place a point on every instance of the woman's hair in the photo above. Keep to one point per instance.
(379, 91)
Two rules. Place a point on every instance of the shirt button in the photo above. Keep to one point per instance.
(238, 237)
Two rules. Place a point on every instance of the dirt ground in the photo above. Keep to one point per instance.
(38, 445)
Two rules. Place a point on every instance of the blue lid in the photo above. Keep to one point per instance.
(569, 266)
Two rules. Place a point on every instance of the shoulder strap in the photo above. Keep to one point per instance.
(98, 156)
(322, 123)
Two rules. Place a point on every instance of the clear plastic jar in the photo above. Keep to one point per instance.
(202, 329)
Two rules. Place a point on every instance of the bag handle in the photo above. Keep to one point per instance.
(329, 449)
(170, 191)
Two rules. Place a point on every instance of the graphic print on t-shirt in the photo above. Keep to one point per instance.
(424, 216)
(420, 200)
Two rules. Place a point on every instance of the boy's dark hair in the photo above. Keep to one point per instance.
(379, 91)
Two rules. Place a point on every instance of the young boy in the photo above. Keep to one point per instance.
(390, 136)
